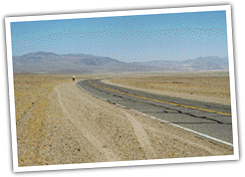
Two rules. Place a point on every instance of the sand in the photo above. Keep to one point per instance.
(65, 125)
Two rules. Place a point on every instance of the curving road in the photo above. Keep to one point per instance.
(211, 120)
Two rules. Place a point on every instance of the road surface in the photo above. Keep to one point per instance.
(207, 119)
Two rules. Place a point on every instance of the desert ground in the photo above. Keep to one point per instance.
(58, 123)
(207, 86)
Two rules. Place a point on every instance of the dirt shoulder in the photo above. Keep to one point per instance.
(75, 127)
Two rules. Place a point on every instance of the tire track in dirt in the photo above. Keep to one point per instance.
(72, 117)
(141, 135)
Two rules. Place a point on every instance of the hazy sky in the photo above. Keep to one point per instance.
(176, 36)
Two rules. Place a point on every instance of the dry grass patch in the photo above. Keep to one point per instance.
(211, 84)
(28, 89)
(31, 104)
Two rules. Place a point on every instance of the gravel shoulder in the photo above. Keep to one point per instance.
(75, 127)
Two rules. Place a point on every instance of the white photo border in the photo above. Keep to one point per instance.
(226, 8)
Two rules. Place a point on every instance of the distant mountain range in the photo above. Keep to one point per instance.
(47, 62)
(201, 63)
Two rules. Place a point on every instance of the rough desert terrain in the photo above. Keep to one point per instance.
(58, 123)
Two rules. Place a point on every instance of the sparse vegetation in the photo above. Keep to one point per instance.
(29, 88)
(202, 85)
(31, 93)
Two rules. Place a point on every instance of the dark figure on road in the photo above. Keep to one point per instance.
(73, 78)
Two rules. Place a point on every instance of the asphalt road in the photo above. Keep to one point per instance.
(209, 119)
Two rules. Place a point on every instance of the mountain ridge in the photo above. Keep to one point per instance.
(49, 62)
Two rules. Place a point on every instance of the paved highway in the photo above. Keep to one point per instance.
(207, 119)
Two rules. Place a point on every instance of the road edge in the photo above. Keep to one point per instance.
(210, 138)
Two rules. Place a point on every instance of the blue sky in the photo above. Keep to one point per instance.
(176, 36)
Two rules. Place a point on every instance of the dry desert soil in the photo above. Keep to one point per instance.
(207, 86)
(58, 123)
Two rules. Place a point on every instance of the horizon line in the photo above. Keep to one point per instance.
(117, 59)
